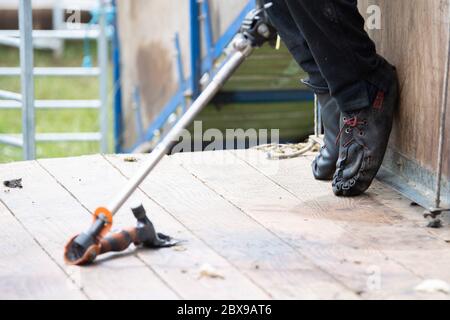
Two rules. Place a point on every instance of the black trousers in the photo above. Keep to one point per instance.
(328, 40)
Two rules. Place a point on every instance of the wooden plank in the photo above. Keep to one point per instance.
(52, 215)
(178, 268)
(267, 260)
(308, 224)
(414, 213)
(381, 217)
(413, 36)
(26, 271)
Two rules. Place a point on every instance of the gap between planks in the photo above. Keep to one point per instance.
(179, 269)
(110, 255)
(203, 166)
(280, 268)
(249, 211)
(382, 197)
(52, 215)
(27, 270)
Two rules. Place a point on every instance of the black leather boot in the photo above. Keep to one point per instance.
(364, 137)
(324, 166)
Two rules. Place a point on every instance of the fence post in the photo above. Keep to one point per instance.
(103, 65)
(27, 79)
(195, 48)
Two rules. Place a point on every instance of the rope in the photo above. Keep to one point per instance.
(288, 151)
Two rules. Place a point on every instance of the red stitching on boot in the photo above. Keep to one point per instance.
(379, 100)
(349, 123)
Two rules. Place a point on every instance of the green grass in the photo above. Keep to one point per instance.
(53, 88)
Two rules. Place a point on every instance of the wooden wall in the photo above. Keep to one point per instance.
(147, 30)
(414, 37)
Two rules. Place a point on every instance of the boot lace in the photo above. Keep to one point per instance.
(350, 124)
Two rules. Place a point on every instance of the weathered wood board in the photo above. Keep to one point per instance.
(26, 270)
(275, 266)
(414, 37)
(266, 228)
(179, 267)
(52, 215)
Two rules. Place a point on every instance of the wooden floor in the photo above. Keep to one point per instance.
(251, 229)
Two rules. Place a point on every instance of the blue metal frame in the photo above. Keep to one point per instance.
(118, 112)
(195, 38)
(163, 116)
(209, 38)
(205, 65)
(181, 79)
(212, 54)
(232, 30)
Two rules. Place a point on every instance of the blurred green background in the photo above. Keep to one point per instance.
(265, 70)
(53, 88)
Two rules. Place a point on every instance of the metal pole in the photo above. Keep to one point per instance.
(58, 24)
(181, 78)
(91, 33)
(27, 79)
(7, 95)
(103, 79)
(195, 48)
(52, 72)
(10, 41)
(118, 112)
(443, 118)
(208, 33)
(242, 50)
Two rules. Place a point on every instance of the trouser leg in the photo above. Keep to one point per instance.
(345, 55)
(324, 165)
(288, 30)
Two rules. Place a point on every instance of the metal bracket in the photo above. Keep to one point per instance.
(435, 212)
